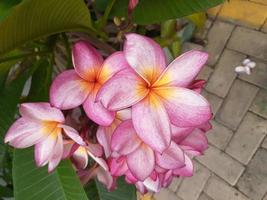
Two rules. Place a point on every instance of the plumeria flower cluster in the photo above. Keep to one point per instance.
(130, 113)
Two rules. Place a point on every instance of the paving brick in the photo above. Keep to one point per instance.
(217, 38)
(224, 74)
(175, 184)
(215, 101)
(166, 194)
(219, 135)
(222, 164)
(244, 12)
(220, 190)
(264, 143)
(265, 198)
(258, 75)
(203, 196)
(187, 46)
(253, 182)
(194, 184)
(259, 105)
(248, 138)
(236, 104)
(249, 42)
(205, 73)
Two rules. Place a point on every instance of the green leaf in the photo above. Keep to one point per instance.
(198, 19)
(155, 11)
(33, 19)
(96, 191)
(6, 6)
(31, 183)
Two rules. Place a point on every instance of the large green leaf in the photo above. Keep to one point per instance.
(6, 6)
(32, 183)
(155, 11)
(33, 19)
(96, 191)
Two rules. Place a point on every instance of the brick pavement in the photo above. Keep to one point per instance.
(235, 165)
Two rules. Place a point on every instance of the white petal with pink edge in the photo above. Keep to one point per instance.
(57, 154)
(68, 90)
(185, 107)
(145, 56)
(183, 70)
(72, 134)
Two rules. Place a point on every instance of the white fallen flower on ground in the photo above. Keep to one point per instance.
(246, 67)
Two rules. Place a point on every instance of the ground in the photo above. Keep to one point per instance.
(235, 165)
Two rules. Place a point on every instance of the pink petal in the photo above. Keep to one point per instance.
(44, 150)
(95, 149)
(124, 139)
(24, 133)
(132, 4)
(171, 158)
(112, 65)
(97, 112)
(180, 133)
(187, 170)
(73, 134)
(118, 166)
(69, 148)
(68, 90)
(151, 123)
(86, 60)
(141, 162)
(197, 85)
(129, 177)
(124, 114)
(145, 56)
(98, 160)
(122, 91)
(185, 107)
(103, 135)
(183, 70)
(80, 158)
(57, 154)
(140, 187)
(196, 141)
(41, 111)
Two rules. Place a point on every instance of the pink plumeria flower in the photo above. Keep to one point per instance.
(159, 96)
(43, 126)
(141, 159)
(73, 88)
(104, 133)
(80, 154)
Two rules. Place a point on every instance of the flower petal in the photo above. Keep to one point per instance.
(44, 149)
(24, 133)
(185, 107)
(152, 185)
(141, 162)
(100, 161)
(122, 91)
(151, 123)
(145, 56)
(118, 166)
(57, 154)
(86, 60)
(95, 149)
(187, 170)
(180, 133)
(171, 158)
(68, 90)
(183, 70)
(103, 135)
(41, 111)
(197, 85)
(97, 112)
(104, 177)
(80, 158)
(124, 139)
(196, 141)
(73, 134)
(112, 65)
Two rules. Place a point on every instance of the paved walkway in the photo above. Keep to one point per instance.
(235, 165)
